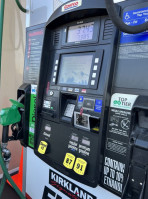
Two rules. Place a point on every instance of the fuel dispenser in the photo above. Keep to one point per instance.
(87, 96)
(74, 89)
(91, 106)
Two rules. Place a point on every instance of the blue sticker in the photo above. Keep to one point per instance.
(98, 102)
(98, 106)
(80, 98)
(98, 109)
(133, 18)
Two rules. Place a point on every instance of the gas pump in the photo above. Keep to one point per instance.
(90, 123)
(74, 92)
(90, 119)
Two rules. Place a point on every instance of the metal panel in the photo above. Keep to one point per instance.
(38, 177)
(41, 10)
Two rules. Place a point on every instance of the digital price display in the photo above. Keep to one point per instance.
(80, 32)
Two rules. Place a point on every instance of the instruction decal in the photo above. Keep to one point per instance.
(70, 189)
(117, 141)
(34, 43)
(133, 18)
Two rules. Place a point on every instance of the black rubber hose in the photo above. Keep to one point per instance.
(20, 6)
(5, 134)
(114, 16)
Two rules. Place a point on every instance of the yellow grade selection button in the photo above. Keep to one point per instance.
(42, 147)
(69, 160)
(80, 166)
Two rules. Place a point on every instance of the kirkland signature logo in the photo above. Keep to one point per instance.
(71, 5)
(68, 188)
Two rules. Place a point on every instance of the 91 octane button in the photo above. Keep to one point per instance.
(42, 147)
(69, 160)
(80, 166)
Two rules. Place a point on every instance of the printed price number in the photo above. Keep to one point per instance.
(80, 166)
(69, 160)
(42, 147)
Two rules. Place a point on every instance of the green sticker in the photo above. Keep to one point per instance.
(32, 115)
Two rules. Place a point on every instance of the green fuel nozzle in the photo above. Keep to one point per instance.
(11, 115)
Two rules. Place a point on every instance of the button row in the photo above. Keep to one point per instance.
(94, 74)
(55, 71)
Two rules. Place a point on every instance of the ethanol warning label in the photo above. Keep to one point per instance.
(114, 174)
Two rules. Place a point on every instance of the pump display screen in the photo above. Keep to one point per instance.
(80, 32)
(75, 69)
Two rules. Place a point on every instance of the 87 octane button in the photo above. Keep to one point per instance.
(69, 161)
(80, 166)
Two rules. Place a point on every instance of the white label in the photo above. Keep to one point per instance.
(33, 89)
(123, 101)
(31, 130)
(47, 104)
(114, 174)
(48, 128)
(71, 5)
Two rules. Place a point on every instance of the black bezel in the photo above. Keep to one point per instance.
(96, 30)
(96, 54)
(76, 55)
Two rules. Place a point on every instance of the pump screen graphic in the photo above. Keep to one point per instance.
(75, 69)
(80, 32)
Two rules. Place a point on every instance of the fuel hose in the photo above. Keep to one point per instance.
(7, 176)
(2, 185)
(20, 6)
(2, 7)
(114, 16)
